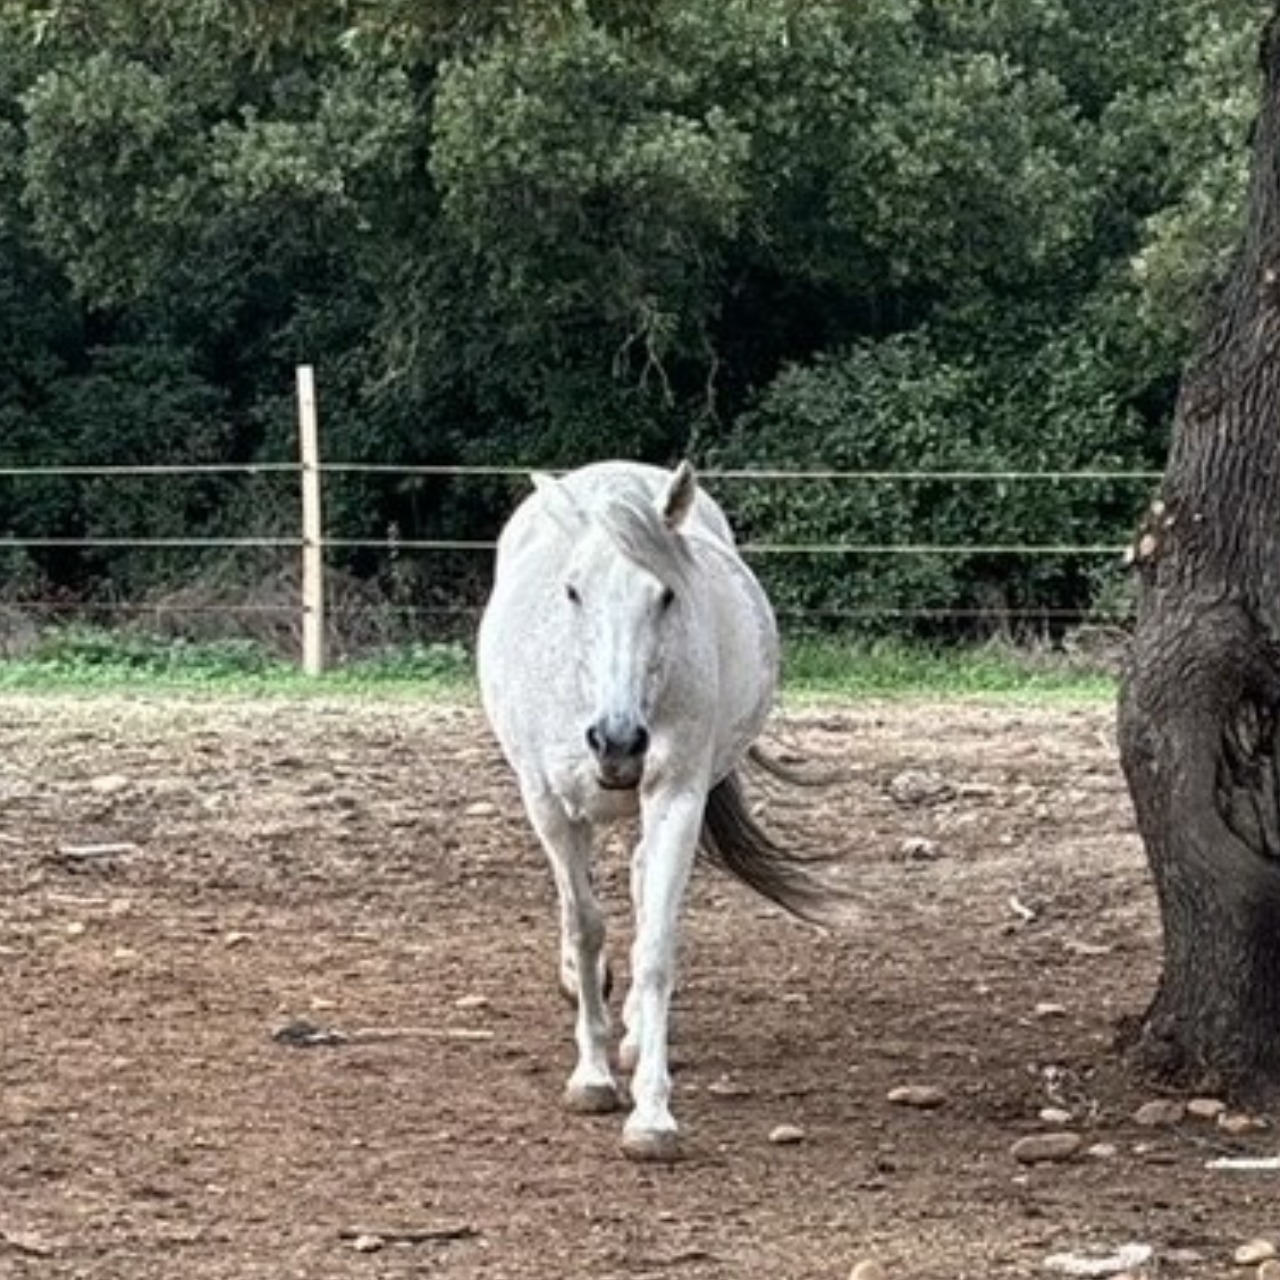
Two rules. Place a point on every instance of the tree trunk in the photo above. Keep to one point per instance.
(1199, 715)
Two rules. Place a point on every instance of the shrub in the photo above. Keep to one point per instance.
(902, 406)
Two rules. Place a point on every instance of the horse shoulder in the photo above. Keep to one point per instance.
(746, 637)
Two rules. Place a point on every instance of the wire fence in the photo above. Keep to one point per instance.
(315, 602)
(711, 476)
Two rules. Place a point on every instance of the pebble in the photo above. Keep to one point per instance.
(1255, 1251)
(1055, 1116)
(1046, 1148)
(481, 809)
(471, 1002)
(1123, 1262)
(367, 1243)
(868, 1269)
(920, 849)
(109, 784)
(76, 929)
(1270, 1270)
(1236, 1123)
(726, 1088)
(924, 1097)
(1078, 947)
(916, 787)
(787, 1135)
(27, 1242)
(1103, 1151)
(1206, 1108)
(1050, 1009)
(1162, 1112)
(236, 939)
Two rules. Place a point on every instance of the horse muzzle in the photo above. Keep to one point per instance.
(619, 747)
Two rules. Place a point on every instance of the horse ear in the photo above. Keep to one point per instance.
(557, 503)
(677, 500)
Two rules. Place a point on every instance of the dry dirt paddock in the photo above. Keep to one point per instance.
(360, 868)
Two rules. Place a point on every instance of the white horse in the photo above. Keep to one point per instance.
(628, 658)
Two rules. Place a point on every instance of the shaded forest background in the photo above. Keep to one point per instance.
(890, 235)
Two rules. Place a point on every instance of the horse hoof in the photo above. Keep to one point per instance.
(651, 1146)
(592, 1099)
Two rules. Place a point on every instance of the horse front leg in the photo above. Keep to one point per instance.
(592, 1087)
(660, 875)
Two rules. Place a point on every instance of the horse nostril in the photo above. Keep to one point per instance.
(621, 742)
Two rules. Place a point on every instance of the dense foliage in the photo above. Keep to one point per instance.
(896, 235)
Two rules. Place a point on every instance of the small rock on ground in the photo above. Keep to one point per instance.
(925, 1097)
(727, 1088)
(1161, 1112)
(920, 849)
(1057, 1116)
(1236, 1123)
(1121, 1263)
(1046, 1148)
(1206, 1108)
(868, 1269)
(109, 784)
(1253, 1252)
(27, 1242)
(787, 1135)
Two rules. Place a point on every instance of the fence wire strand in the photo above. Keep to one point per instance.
(447, 471)
(392, 545)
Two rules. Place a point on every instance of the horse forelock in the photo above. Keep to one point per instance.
(636, 528)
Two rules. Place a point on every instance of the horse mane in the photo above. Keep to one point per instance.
(634, 524)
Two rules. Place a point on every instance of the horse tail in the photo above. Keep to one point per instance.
(735, 842)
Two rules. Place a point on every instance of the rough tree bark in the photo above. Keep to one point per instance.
(1199, 718)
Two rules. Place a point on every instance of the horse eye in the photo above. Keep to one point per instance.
(572, 592)
(667, 599)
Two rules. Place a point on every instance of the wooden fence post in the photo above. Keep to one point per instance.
(312, 526)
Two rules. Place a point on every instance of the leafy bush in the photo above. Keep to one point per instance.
(901, 406)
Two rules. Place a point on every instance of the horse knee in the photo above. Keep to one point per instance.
(653, 978)
(569, 981)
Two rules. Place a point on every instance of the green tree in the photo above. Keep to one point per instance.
(538, 233)
(1200, 701)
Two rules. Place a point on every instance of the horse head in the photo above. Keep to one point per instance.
(624, 591)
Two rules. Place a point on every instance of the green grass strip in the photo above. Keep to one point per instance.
(79, 659)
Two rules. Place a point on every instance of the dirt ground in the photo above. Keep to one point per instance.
(361, 868)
